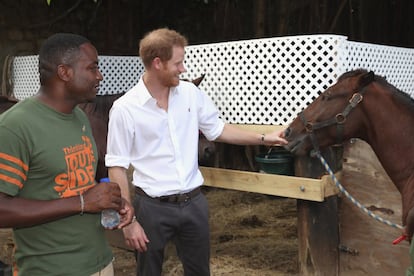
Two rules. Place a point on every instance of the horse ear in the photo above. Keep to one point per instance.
(198, 80)
(366, 79)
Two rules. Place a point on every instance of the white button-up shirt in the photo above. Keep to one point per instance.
(161, 146)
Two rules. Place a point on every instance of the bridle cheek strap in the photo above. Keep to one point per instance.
(339, 120)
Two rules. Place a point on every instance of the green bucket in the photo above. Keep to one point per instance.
(276, 161)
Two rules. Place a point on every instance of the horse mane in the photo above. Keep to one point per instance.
(351, 74)
(397, 93)
(101, 104)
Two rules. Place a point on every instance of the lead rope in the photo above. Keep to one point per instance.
(350, 197)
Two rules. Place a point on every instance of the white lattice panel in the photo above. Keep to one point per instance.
(259, 81)
(120, 73)
(265, 81)
(25, 76)
(396, 64)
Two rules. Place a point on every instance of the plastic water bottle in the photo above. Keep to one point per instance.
(109, 217)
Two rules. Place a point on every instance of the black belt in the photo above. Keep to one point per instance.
(175, 198)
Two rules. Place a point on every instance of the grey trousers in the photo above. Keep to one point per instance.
(185, 223)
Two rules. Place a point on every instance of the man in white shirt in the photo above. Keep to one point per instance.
(155, 128)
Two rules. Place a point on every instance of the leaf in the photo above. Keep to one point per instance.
(48, 2)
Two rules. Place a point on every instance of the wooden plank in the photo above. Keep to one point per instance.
(329, 185)
(261, 128)
(271, 184)
(318, 235)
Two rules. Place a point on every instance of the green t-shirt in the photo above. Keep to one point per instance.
(44, 155)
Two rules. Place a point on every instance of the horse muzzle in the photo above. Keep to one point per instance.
(297, 143)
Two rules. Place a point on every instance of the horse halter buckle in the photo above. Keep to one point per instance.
(309, 127)
(356, 99)
(340, 118)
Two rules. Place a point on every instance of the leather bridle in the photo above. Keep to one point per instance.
(338, 120)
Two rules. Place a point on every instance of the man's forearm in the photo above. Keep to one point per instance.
(119, 175)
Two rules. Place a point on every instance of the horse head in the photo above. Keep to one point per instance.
(363, 105)
(206, 151)
(332, 117)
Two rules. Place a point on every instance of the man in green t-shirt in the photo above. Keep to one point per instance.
(48, 160)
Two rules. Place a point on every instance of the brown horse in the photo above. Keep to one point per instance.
(98, 115)
(363, 105)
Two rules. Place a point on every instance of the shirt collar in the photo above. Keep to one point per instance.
(142, 92)
(144, 95)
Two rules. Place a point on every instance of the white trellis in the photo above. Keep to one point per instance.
(259, 81)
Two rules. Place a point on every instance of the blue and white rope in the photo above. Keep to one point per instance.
(350, 197)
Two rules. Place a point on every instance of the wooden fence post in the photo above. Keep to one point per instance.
(318, 231)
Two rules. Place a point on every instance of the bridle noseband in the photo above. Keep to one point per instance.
(339, 120)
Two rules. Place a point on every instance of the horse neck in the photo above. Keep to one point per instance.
(390, 137)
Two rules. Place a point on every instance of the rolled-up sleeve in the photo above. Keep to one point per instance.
(209, 118)
(120, 138)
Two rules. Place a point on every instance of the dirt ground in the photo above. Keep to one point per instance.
(251, 234)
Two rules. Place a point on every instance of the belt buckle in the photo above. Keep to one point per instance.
(177, 198)
(164, 198)
(186, 197)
